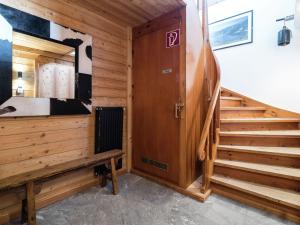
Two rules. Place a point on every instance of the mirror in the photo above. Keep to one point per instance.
(45, 68)
(42, 69)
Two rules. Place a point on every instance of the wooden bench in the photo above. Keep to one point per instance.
(31, 181)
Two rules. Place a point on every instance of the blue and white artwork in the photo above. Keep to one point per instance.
(232, 31)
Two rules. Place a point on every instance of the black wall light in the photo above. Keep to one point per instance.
(20, 85)
(285, 35)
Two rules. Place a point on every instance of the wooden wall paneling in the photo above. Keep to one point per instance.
(116, 48)
(83, 15)
(129, 100)
(195, 114)
(103, 73)
(104, 54)
(52, 191)
(35, 142)
(110, 65)
(77, 23)
(27, 66)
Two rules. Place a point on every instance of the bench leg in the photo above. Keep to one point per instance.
(31, 213)
(114, 177)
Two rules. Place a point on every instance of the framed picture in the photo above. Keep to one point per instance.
(232, 31)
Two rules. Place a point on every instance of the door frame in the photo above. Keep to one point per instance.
(174, 17)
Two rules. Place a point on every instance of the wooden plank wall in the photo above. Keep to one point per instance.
(30, 143)
(21, 60)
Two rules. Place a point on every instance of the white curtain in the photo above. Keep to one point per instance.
(56, 81)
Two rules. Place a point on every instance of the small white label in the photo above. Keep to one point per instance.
(167, 71)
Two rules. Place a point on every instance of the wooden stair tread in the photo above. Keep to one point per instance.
(262, 133)
(279, 171)
(280, 151)
(232, 108)
(231, 98)
(260, 120)
(286, 197)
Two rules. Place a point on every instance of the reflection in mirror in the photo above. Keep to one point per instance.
(42, 68)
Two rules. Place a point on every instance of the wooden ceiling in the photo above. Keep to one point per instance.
(130, 12)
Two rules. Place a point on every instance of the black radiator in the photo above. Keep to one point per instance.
(108, 132)
(109, 129)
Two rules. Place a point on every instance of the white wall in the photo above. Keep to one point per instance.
(262, 70)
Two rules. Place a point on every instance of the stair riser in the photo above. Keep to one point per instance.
(273, 181)
(258, 202)
(259, 126)
(230, 103)
(226, 94)
(259, 158)
(260, 141)
(228, 114)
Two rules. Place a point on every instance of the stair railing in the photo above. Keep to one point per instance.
(210, 133)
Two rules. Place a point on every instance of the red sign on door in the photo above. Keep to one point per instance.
(173, 38)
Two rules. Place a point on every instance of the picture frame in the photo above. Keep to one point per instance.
(232, 31)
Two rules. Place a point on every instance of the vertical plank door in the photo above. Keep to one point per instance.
(156, 90)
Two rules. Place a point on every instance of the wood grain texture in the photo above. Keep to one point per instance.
(278, 171)
(156, 131)
(261, 203)
(51, 171)
(285, 197)
(258, 159)
(194, 91)
(32, 143)
(131, 12)
(31, 210)
(153, 103)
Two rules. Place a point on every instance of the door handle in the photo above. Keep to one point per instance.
(178, 109)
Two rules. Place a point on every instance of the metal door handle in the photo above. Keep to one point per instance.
(178, 109)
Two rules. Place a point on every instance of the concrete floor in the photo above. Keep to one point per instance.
(142, 202)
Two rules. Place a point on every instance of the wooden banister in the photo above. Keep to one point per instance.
(209, 134)
(208, 121)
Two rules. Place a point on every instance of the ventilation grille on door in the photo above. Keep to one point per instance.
(159, 165)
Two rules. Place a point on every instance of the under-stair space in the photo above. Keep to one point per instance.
(258, 157)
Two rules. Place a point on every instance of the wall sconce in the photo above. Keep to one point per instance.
(284, 35)
(73, 53)
(20, 85)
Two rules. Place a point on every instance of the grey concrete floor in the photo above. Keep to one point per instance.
(142, 202)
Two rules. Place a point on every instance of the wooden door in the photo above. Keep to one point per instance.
(156, 90)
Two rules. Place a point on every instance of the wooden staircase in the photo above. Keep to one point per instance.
(258, 156)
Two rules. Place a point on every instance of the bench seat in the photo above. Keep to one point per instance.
(30, 180)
